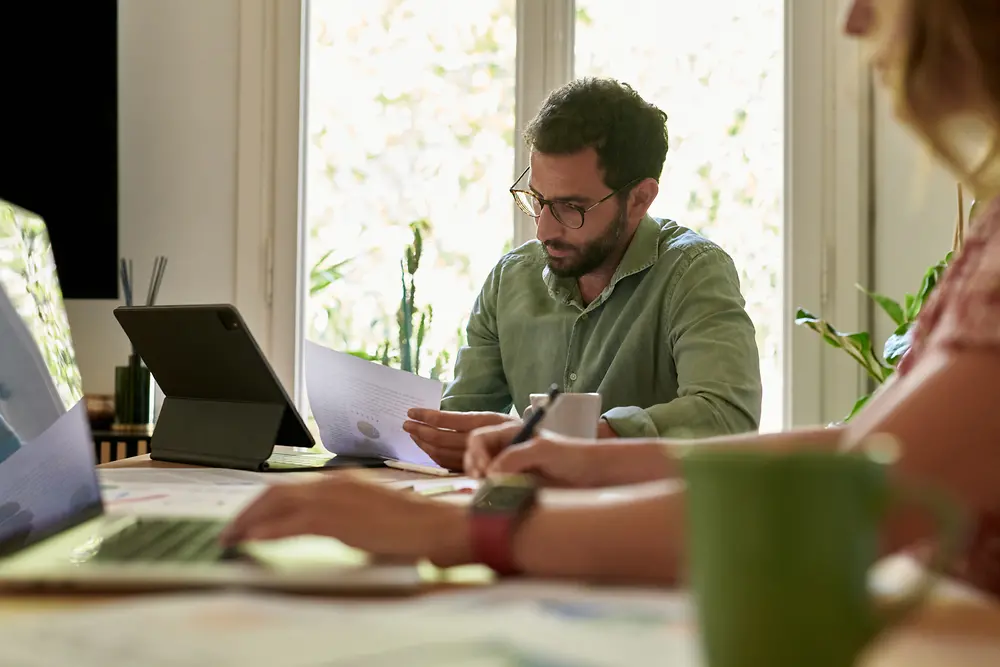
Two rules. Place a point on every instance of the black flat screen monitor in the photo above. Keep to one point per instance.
(59, 132)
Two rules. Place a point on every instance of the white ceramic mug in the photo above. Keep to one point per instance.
(574, 415)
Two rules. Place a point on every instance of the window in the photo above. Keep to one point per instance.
(410, 130)
(720, 79)
(411, 117)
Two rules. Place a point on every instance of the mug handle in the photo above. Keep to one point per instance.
(952, 529)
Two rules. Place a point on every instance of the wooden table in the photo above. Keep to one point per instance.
(958, 628)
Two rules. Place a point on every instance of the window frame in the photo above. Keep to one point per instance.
(270, 236)
(827, 195)
(828, 206)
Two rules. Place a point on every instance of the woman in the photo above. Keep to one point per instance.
(942, 59)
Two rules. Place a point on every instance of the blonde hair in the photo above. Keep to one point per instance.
(942, 62)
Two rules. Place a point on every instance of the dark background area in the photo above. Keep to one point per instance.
(59, 132)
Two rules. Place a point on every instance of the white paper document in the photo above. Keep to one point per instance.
(247, 630)
(219, 501)
(360, 406)
(206, 476)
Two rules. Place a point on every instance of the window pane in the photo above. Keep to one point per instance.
(410, 116)
(716, 69)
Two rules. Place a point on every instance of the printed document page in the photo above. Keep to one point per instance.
(360, 406)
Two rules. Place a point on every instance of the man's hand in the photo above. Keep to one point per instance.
(444, 435)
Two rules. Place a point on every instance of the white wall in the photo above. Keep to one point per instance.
(916, 207)
(178, 77)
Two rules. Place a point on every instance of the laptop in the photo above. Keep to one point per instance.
(55, 530)
(223, 404)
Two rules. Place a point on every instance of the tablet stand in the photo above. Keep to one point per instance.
(216, 433)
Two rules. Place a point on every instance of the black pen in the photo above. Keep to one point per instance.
(527, 431)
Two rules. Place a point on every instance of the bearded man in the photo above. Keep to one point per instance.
(607, 299)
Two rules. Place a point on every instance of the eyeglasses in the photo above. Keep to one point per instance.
(566, 213)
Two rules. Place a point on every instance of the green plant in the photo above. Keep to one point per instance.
(859, 346)
(325, 272)
(411, 339)
(413, 323)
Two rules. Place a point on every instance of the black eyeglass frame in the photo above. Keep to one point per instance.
(549, 202)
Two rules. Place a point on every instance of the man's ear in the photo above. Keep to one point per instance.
(641, 197)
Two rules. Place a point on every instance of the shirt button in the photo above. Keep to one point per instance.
(583, 316)
(572, 376)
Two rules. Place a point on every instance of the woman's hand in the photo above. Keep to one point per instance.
(556, 460)
(360, 513)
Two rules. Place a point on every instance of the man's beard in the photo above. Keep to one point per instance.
(589, 257)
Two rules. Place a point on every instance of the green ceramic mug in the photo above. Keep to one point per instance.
(780, 547)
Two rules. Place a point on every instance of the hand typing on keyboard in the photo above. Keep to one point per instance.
(362, 514)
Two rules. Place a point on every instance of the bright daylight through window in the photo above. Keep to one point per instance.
(410, 131)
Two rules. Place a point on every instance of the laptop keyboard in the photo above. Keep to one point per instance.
(164, 540)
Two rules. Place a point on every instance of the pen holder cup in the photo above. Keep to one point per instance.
(133, 395)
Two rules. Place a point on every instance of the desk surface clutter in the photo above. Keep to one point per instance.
(511, 623)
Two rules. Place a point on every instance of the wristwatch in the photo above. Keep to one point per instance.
(498, 507)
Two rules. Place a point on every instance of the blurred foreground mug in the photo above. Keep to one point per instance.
(779, 550)
(574, 415)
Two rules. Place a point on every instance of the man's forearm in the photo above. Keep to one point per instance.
(687, 417)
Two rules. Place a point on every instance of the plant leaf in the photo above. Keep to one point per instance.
(857, 345)
(897, 344)
(858, 404)
(805, 318)
(915, 302)
(931, 278)
(322, 275)
(890, 306)
(421, 332)
(405, 321)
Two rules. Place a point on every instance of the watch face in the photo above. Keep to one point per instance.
(503, 497)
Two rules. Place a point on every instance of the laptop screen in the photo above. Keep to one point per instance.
(47, 476)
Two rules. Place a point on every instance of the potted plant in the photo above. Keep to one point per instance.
(859, 345)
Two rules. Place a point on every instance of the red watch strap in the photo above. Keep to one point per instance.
(492, 542)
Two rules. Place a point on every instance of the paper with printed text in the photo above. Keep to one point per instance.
(360, 406)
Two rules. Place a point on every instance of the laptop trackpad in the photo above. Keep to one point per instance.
(302, 552)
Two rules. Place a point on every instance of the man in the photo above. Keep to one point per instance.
(607, 299)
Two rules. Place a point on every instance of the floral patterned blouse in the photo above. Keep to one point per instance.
(963, 312)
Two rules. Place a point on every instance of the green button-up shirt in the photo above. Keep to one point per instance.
(667, 344)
